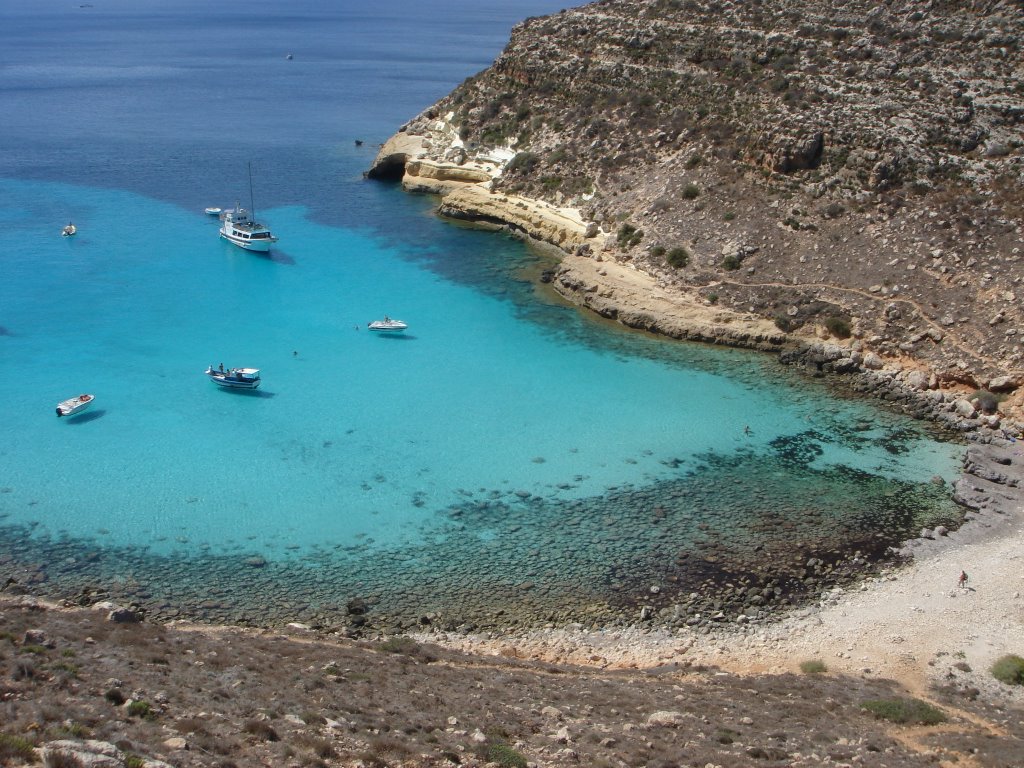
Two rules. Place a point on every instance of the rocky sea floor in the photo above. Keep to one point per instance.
(736, 538)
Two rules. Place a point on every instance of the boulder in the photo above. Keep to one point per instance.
(122, 615)
(873, 362)
(668, 718)
(1003, 384)
(85, 753)
(917, 380)
(964, 408)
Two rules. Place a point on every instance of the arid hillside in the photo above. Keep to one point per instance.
(91, 688)
(839, 169)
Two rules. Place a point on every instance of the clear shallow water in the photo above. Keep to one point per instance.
(505, 438)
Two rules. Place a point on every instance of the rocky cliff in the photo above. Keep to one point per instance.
(848, 170)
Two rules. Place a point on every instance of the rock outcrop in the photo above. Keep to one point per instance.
(838, 171)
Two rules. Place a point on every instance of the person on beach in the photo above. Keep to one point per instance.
(962, 581)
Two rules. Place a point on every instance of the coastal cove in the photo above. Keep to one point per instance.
(505, 463)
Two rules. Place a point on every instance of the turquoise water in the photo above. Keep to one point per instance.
(505, 438)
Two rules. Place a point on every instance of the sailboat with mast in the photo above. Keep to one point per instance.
(241, 228)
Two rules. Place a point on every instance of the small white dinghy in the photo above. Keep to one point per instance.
(214, 211)
(387, 325)
(74, 405)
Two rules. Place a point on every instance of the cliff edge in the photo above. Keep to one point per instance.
(850, 173)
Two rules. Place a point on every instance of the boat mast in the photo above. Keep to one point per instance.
(252, 202)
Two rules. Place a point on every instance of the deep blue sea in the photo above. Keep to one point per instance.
(507, 453)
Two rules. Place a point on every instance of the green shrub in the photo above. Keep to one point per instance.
(70, 730)
(912, 711)
(629, 236)
(64, 666)
(813, 667)
(63, 759)
(784, 323)
(115, 697)
(38, 650)
(678, 258)
(524, 162)
(838, 327)
(726, 735)
(658, 251)
(505, 756)
(712, 298)
(141, 709)
(728, 216)
(16, 747)
(1009, 669)
(134, 761)
(261, 730)
(988, 402)
(691, 192)
(404, 645)
(731, 262)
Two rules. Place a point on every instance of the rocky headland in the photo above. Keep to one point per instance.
(842, 183)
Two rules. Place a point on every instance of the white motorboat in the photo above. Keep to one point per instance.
(243, 230)
(214, 211)
(69, 230)
(387, 325)
(234, 378)
(74, 405)
(240, 229)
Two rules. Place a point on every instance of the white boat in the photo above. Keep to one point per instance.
(387, 325)
(74, 405)
(234, 378)
(243, 230)
(69, 230)
(214, 211)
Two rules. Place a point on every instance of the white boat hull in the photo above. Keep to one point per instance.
(74, 405)
(387, 326)
(262, 245)
(246, 378)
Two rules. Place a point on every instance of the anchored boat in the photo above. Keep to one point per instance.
(74, 405)
(234, 378)
(387, 325)
(242, 229)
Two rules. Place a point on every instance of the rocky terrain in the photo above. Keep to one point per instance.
(96, 687)
(851, 171)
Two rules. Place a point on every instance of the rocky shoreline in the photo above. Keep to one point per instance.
(589, 276)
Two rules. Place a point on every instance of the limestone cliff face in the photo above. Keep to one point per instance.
(822, 166)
